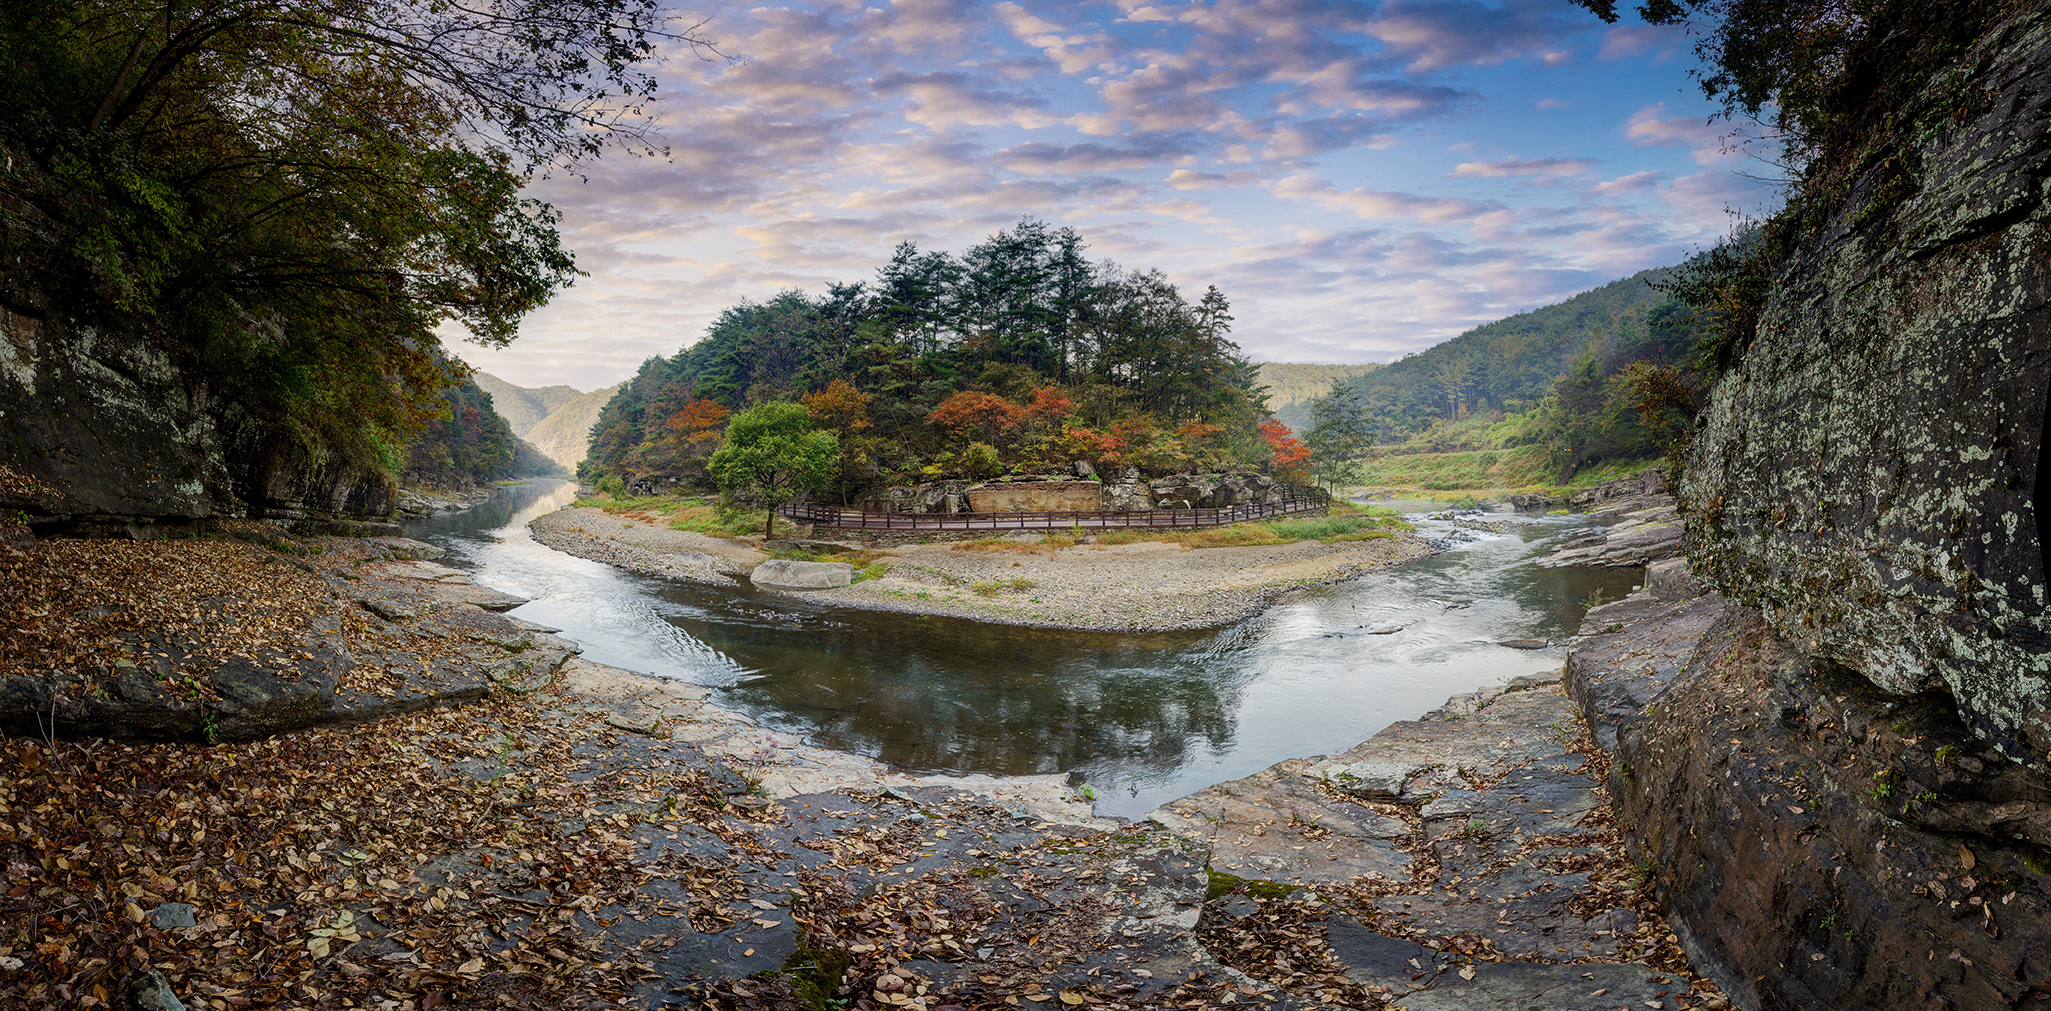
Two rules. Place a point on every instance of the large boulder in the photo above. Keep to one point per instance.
(777, 574)
(1872, 475)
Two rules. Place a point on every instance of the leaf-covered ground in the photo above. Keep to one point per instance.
(524, 851)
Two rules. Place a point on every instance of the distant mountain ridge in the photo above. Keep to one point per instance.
(555, 420)
(524, 407)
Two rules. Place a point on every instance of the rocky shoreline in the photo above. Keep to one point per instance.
(1149, 586)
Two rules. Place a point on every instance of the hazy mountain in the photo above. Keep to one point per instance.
(524, 408)
(1293, 385)
(565, 435)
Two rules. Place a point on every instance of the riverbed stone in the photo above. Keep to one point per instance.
(171, 915)
(779, 574)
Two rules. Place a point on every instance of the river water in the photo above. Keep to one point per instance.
(1146, 717)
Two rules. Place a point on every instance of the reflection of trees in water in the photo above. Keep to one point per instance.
(924, 693)
(495, 512)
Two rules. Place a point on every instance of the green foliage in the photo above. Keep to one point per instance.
(469, 444)
(1018, 344)
(1340, 435)
(1560, 361)
(291, 198)
(773, 453)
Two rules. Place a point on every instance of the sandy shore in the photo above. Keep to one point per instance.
(1150, 586)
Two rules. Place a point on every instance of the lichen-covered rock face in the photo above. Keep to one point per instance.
(104, 433)
(1872, 475)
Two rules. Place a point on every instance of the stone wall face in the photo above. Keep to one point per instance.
(1872, 476)
(1822, 843)
(114, 437)
(1035, 496)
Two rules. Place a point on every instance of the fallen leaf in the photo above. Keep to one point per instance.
(1965, 858)
(1467, 971)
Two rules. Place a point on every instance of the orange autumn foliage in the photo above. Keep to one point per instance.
(1291, 461)
(840, 407)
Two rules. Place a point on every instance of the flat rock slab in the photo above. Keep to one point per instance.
(778, 574)
(1523, 986)
(1286, 824)
(1638, 538)
(1630, 652)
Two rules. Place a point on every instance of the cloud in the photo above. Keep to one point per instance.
(946, 100)
(1556, 167)
(1190, 179)
(1376, 205)
(1622, 42)
(1707, 142)
(1039, 158)
(1636, 182)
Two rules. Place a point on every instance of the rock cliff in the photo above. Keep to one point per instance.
(101, 432)
(1871, 476)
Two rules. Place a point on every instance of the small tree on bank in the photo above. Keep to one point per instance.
(1340, 434)
(772, 450)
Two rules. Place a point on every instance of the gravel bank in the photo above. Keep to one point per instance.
(1152, 586)
(646, 548)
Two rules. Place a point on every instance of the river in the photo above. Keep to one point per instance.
(1145, 717)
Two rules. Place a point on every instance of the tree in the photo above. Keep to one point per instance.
(772, 450)
(1340, 434)
(1291, 458)
(1778, 57)
(293, 195)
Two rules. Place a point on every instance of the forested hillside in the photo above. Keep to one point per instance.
(472, 445)
(1017, 354)
(565, 435)
(1571, 377)
(1293, 385)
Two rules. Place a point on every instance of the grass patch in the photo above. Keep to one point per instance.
(698, 514)
(990, 588)
(1223, 884)
(1481, 473)
(1344, 522)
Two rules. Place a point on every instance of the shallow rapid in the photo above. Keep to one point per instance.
(1145, 717)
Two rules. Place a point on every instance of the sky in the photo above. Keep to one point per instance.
(1361, 179)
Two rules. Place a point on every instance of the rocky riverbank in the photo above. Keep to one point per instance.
(511, 823)
(1023, 580)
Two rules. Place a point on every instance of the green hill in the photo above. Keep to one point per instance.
(1293, 385)
(1512, 364)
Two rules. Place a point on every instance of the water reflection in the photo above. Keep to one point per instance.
(1147, 717)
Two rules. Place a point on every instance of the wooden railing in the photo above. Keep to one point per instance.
(1287, 502)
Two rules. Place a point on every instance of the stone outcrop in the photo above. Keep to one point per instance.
(106, 435)
(1821, 842)
(1034, 496)
(1478, 820)
(1872, 475)
(1128, 493)
(1639, 537)
(778, 574)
